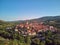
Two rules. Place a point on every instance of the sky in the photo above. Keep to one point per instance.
(11, 10)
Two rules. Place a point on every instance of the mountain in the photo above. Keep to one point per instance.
(44, 19)
(50, 20)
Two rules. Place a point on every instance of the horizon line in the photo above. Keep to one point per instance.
(28, 19)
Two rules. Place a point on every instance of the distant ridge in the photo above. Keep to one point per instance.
(46, 18)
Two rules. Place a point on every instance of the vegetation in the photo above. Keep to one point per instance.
(14, 38)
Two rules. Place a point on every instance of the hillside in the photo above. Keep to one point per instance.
(51, 20)
(11, 37)
(46, 18)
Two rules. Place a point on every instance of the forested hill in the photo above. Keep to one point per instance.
(46, 18)
(10, 37)
(51, 20)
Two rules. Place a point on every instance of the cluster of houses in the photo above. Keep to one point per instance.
(33, 28)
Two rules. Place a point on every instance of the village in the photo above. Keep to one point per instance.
(33, 28)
